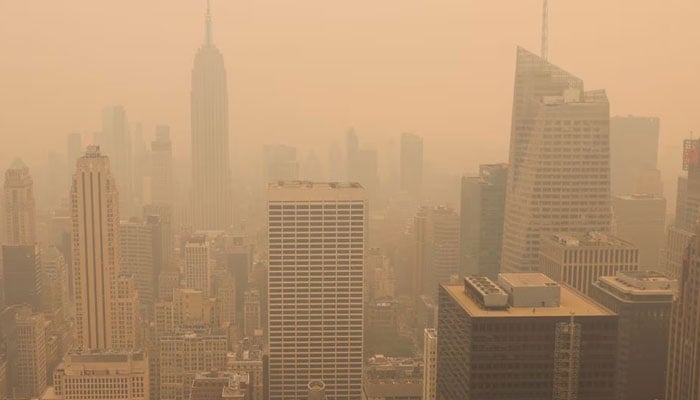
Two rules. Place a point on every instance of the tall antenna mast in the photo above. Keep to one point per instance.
(545, 31)
(208, 25)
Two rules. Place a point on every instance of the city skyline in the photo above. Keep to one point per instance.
(341, 246)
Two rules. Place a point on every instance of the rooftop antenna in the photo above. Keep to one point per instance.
(545, 31)
(208, 25)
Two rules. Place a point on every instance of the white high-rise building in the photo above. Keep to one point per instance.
(99, 310)
(211, 168)
(429, 363)
(559, 167)
(316, 236)
(197, 268)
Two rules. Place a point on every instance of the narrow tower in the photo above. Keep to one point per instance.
(545, 30)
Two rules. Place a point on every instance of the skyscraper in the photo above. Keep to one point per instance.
(683, 352)
(643, 302)
(136, 249)
(437, 249)
(429, 364)
(315, 286)
(197, 268)
(95, 250)
(634, 147)
(31, 354)
(559, 165)
(19, 206)
(211, 169)
(162, 191)
(524, 337)
(641, 220)
(280, 163)
(481, 228)
(115, 142)
(412, 164)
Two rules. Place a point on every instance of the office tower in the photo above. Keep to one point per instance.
(481, 220)
(56, 290)
(252, 316)
(315, 307)
(211, 169)
(197, 269)
(559, 141)
(95, 250)
(411, 164)
(31, 354)
(239, 263)
(74, 147)
(437, 247)
(247, 360)
(429, 364)
(642, 300)
(183, 355)
(523, 338)
(219, 385)
(634, 147)
(101, 375)
(19, 206)
(677, 242)
(641, 220)
(127, 319)
(136, 247)
(580, 259)
(683, 353)
(160, 218)
(280, 163)
(22, 275)
(115, 142)
(187, 309)
(162, 191)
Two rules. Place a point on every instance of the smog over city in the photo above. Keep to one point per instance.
(276, 200)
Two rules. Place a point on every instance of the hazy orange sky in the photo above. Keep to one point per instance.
(301, 72)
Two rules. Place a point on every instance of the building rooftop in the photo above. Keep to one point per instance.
(314, 191)
(589, 239)
(571, 302)
(641, 283)
(527, 279)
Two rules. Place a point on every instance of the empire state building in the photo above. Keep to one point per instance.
(211, 169)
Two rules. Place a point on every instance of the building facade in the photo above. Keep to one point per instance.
(315, 287)
(483, 203)
(559, 162)
(411, 165)
(430, 364)
(19, 205)
(634, 147)
(580, 259)
(642, 300)
(523, 338)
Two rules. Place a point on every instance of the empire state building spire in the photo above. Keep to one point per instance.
(207, 37)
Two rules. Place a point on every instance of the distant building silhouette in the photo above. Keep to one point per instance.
(481, 220)
(411, 165)
(634, 147)
(162, 188)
